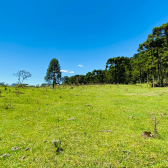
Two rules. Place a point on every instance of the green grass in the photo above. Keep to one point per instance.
(28, 116)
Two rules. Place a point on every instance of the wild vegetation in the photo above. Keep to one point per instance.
(79, 125)
(149, 65)
(83, 126)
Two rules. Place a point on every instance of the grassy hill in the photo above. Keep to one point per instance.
(97, 126)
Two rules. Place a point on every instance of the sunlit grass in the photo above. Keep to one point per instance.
(92, 122)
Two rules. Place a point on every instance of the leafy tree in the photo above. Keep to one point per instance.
(149, 45)
(118, 67)
(161, 40)
(77, 79)
(22, 75)
(65, 80)
(99, 76)
(108, 76)
(53, 72)
(44, 84)
(149, 64)
(89, 78)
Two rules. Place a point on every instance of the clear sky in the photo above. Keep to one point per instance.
(81, 34)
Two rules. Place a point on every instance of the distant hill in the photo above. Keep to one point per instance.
(2, 83)
(13, 84)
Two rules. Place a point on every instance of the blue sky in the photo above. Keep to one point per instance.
(81, 34)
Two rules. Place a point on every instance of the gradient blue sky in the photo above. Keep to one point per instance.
(76, 32)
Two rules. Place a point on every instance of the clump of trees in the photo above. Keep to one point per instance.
(149, 65)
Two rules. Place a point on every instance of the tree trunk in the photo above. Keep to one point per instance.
(158, 74)
(158, 62)
(152, 68)
(53, 84)
(54, 81)
(140, 76)
(165, 77)
(161, 75)
(152, 73)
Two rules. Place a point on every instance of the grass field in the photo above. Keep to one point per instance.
(97, 125)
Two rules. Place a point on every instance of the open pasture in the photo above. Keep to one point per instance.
(97, 125)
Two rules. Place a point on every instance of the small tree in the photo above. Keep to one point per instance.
(65, 80)
(53, 72)
(22, 75)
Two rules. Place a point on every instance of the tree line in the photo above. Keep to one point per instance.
(149, 65)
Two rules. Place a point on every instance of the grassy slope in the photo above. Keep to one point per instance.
(42, 114)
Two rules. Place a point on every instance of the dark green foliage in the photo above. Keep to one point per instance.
(149, 65)
(65, 80)
(57, 145)
(156, 50)
(119, 67)
(45, 84)
(53, 72)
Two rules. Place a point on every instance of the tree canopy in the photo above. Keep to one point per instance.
(150, 64)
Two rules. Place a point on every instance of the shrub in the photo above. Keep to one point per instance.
(155, 84)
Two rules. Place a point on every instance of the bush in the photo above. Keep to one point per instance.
(155, 84)
(37, 86)
(165, 84)
(21, 85)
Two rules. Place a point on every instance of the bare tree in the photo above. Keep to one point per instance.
(22, 75)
